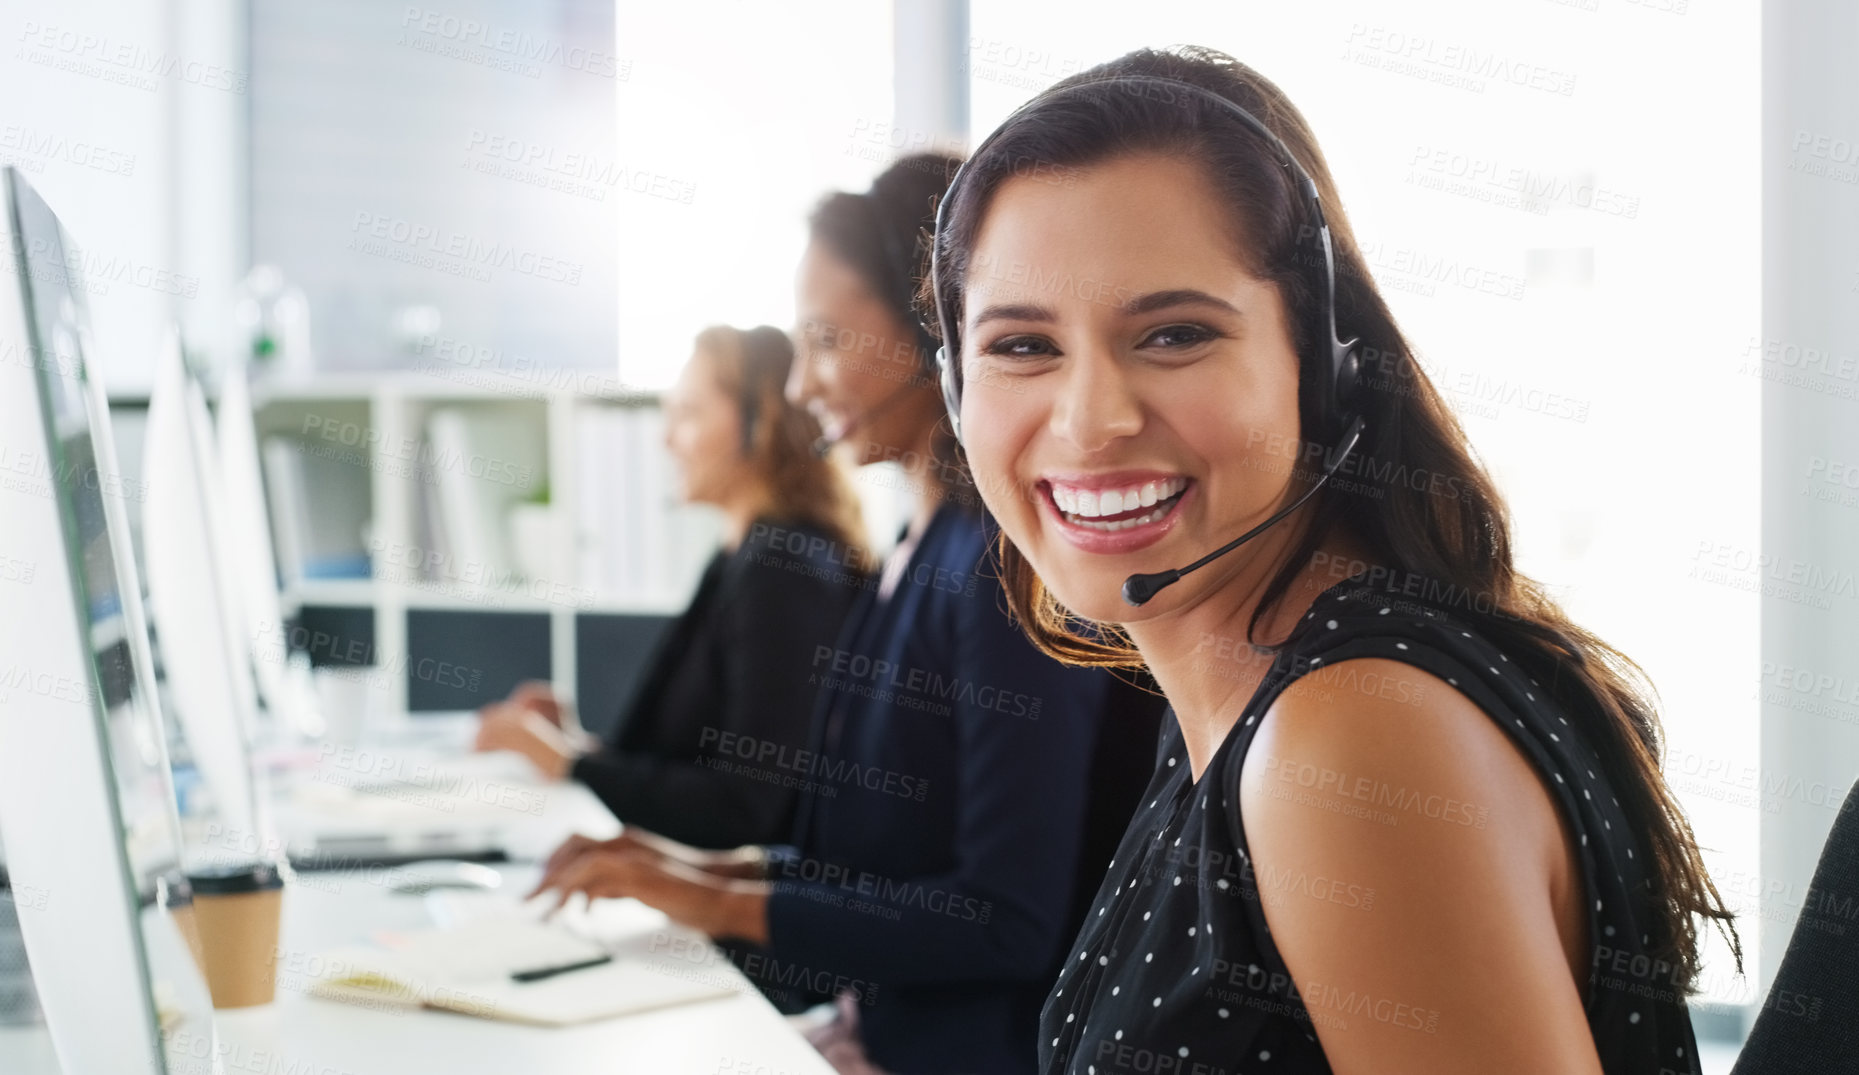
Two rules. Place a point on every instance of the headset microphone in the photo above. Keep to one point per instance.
(823, 444)
(1138, 589)
(1338, 405)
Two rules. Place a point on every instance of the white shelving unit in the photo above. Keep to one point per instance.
(533, 434)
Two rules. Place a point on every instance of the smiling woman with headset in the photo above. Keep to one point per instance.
(1408, 818)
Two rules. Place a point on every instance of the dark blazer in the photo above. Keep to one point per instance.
(963, 795)
(729, 684)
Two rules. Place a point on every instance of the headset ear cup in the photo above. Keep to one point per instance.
(951, 390)
(1348, 377)
(751, 417)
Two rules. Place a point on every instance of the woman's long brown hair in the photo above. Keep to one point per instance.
(751, 366)
(1417, 498)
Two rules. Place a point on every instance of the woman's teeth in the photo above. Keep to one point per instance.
(1116, 524)
(1091, 508)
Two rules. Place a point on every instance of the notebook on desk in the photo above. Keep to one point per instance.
(513, 968)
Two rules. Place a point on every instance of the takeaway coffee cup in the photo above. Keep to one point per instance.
(236, 911)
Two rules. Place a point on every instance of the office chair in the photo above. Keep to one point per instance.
(1809, 1023)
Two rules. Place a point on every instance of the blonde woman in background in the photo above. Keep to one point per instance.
(730, 678)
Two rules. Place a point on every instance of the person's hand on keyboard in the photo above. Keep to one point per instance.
(744, 863)
(662, 874)
(506, 726)
(536, 696)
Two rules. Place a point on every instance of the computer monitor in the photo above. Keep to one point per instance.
(285, 686)
(86, 801)
(193, 600)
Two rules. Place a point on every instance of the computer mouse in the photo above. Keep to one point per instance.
(419, 878)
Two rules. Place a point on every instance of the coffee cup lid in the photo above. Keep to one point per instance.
(173, 889)
(229, 878)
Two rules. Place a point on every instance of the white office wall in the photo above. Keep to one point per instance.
(91, 92)
(208, 155)
(457, 156)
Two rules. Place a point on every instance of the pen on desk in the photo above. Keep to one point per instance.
(549, 972)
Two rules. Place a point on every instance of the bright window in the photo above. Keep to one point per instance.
(755, 110)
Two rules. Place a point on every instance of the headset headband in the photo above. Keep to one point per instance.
(757, 369)
(902, 269)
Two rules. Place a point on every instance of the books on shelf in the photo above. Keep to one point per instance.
(475, 470)
(470, 510)
(320, 510)
(471, 507)
(602, 545)
(636, 542)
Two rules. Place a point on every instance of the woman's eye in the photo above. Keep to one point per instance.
(1018, 347)
(1180, 336)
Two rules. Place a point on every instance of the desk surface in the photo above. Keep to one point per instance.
(740, 1032)
(737, 1033)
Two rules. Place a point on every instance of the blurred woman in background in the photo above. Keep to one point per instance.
(732, 676)
(965, 790)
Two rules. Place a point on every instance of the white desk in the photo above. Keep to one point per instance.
(740, 1034)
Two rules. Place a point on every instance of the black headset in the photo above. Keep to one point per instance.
(1342, 372)
(757, 369)
(751, 411)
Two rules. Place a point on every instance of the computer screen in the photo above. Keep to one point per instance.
(86, 801)
(284, 683)
(193, 603)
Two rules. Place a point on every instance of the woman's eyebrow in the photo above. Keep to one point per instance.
(1135, 306)
(1180, 296)
(1013, 311)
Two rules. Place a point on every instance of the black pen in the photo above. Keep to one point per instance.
(549, 972)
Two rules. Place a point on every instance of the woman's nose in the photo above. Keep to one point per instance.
(1096, 402)
(802, 384)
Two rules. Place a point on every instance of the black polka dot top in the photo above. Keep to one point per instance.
(1175, 971)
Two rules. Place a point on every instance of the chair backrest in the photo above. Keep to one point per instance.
(1809, 1023)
